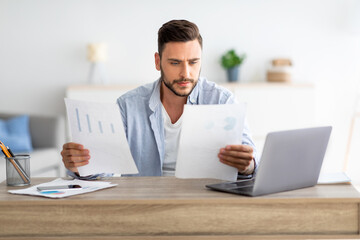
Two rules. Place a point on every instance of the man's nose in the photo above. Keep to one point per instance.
(185, 71)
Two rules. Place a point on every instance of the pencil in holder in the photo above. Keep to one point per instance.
(18, 170)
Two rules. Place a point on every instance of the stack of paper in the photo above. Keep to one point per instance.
(86, 186)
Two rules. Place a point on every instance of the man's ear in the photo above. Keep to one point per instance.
(157, 61)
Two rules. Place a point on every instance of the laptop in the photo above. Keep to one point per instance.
(290, 160)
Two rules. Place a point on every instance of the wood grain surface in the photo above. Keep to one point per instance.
(149, 207)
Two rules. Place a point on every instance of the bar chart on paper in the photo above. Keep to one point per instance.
(98, 124)
(99, 128)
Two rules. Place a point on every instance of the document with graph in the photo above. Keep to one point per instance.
(206, 129)
(99, 127)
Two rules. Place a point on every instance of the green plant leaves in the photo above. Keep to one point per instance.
(231, 59)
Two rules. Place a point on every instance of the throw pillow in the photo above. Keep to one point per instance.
(15, 134)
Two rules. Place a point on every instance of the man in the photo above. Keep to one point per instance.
(152, 113)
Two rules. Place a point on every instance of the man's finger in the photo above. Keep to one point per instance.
(75, 165)
(237, 154)
(236, 161)
(241, 148)
(73, 145)
(77, 159)
(75, 152)
(237, 166)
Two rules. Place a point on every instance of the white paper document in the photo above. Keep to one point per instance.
(333, 178)
(86, 187)
(206, 129)
(99, 128)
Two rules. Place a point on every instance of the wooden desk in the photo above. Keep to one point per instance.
(166, 207)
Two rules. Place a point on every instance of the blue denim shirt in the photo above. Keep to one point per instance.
(144, 126)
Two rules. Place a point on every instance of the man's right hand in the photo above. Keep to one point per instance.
(74, 155)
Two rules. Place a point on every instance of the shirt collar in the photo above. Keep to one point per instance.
(155, 95)
(193, 97)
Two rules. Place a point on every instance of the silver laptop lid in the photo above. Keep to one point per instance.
(291, 159)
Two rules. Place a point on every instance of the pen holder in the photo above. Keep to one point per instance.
(18, 170)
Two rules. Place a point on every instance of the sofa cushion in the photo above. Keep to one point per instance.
(15, 134)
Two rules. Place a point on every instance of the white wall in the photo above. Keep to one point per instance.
(43, 47)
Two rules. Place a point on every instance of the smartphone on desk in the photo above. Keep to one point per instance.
(60, 187)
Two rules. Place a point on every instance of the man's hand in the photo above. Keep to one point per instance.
(74, 155)
(238, 156)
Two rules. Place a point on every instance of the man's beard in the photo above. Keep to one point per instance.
(170, 86)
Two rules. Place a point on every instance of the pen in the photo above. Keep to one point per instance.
(16, 165)
(67, 187)
(11, 153)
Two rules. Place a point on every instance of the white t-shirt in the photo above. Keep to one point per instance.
(172, 138)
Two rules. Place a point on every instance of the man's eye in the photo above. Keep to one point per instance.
(193, 62)
(174, 63)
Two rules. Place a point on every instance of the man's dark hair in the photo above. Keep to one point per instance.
(177, 31)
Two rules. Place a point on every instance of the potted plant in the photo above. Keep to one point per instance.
(231, 61)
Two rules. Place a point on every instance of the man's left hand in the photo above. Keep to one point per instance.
(238, 156)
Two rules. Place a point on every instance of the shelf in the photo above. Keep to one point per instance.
(224, 84)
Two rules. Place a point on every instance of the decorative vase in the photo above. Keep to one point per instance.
(233, 74)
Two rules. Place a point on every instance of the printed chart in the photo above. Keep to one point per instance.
(99, 128)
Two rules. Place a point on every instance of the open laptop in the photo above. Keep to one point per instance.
(290, 160)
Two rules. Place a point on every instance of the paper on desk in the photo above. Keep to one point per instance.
(333, 178)
(206, 129)
(87, 186)
(99, 127)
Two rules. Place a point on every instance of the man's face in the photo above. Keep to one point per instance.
(180, 66)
